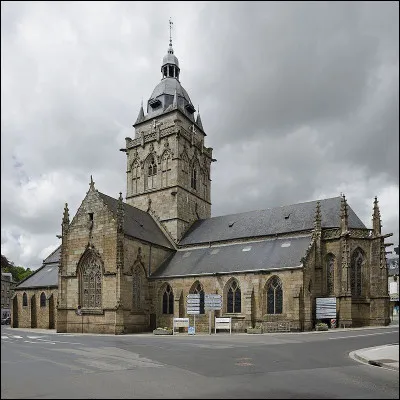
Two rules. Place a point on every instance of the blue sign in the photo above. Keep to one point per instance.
(191, 330)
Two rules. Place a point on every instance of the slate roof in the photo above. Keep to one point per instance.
(46, 275)
(138, 223)
(268, 222)
(267, 255)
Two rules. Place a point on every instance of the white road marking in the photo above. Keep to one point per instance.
(56, 341)
(367, 334)
(5, 337)
(35, 337)
(16, 336)
(28, 341)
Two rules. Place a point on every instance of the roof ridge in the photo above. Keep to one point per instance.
(59, 247)
(272, 208)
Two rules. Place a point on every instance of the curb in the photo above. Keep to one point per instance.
(355, 356)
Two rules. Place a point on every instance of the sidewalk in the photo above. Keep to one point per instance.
(381, 356)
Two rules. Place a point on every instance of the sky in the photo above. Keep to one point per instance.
(299, 100)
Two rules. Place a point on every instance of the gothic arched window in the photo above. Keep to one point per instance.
(135, 177)
(151, 173)
(137, 281)
(165, 168)
(205, 179)
(274, 296)
(168, 300)
(330, 274)
(43, 299)
(357, 261)
(233, 298)
(197, 288)
(25, 300)
(193, 178)
(90, 281)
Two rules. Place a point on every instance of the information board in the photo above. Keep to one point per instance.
(325, 307)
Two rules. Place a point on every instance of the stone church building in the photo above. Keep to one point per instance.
(130, 264)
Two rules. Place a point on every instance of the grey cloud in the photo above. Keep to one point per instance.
(299, 100)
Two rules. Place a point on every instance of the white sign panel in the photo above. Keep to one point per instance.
(223, 323)
(193, 296)
(325, 307)
(212, 296)
(181, 322)
(212, 301)
(392, 287)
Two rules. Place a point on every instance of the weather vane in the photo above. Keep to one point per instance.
(170, 31)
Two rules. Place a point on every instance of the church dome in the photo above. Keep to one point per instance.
(170, 58)
(168, 86)
(169, 93)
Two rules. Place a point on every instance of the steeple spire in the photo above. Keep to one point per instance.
(140, 117)
(170, 65)
(66, 215)
(170, 32)
(317, 221)
(376, 218)
(198, 119)
(344, 215)
(91, 184)
(120, 213)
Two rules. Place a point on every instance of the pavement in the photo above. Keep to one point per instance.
(380, 356)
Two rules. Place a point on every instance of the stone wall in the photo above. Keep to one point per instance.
(253, 299)
(33, 315)
(144, 258)
(101, 237)
(173, 199)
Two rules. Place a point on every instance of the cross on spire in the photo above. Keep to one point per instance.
(170, 31)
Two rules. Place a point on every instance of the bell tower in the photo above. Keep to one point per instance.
(168, 165)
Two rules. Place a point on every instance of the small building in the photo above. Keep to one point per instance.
(35, 298)
(7, 292)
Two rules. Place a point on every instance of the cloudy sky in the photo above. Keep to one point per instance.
(300, 101)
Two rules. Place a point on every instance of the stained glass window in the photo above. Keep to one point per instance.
(168, 300)
(330, 273)
(274, 296)
(91, 282)
(357, 261)
(43, 300)
(234, 298)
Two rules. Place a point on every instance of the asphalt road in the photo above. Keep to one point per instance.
(287, 365)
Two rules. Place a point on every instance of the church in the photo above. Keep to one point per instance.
(129, 265)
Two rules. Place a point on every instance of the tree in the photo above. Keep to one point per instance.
(18, 273)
